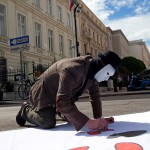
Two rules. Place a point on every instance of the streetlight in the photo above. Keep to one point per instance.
(75, 25)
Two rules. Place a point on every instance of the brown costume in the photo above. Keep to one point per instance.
(59, 86)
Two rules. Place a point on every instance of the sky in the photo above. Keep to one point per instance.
(131, 16)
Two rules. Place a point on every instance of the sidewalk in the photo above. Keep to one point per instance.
(105, 92)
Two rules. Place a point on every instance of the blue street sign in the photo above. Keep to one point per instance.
(19, 40)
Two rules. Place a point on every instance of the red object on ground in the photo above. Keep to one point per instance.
(110, 119)
(128, 146)
(80, 148)
(94, 132)
(98, 132)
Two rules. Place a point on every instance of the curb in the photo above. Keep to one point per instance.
(85, 95)
(119, 94)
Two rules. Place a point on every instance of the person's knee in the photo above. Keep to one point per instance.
(48, 124)
(46, 118)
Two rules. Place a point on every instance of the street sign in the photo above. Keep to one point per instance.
(20, 47)
(19, 41)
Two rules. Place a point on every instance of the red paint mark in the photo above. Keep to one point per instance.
(128, 146)
(80, 148)
(98, 132)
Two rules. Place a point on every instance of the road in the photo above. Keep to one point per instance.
(120, 105)
(112, 106)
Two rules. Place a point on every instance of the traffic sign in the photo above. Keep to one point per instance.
(20, 47)
(19, 41)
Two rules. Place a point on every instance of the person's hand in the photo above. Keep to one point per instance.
(110, 120)
(97, 124)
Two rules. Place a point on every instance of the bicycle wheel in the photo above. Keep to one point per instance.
(23, 91)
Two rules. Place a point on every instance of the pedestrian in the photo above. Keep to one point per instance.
(59, 87)
(119, 80)
(1, 95)
(115, 82)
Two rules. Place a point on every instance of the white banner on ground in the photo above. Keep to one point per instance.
(65, 137)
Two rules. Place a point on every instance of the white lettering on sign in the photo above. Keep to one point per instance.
(17, 41)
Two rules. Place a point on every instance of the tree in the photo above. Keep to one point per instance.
(131, 65)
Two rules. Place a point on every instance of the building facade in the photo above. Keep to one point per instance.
(119, 43)
(93, 33)
(138, 49)
(49, 25)
(124, 48)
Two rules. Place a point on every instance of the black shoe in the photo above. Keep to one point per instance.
(19, 119)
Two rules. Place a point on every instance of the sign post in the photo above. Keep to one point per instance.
(21, 66)
(20, 44)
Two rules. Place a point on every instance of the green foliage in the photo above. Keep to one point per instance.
(131, 65)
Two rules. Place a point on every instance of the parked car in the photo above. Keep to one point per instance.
(140, 82)
(1, 95)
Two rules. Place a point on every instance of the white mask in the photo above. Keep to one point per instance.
(104, 73)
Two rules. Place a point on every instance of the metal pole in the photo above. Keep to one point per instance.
(21, 67)
(33, 70)
(75, 25)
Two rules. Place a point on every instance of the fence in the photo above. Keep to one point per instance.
(9, 83)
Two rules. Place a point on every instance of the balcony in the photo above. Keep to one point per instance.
(86, 35)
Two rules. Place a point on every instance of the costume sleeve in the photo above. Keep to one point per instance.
(67, 83)
(94, 95)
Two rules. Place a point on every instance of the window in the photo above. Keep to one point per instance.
(68, 20)
(50, 40)
(96, 54)
(59, 13)
(2, 20)
(61, 45)
(91, 51)
(21, 25)
(97, 39)
(37, 3)
(85, 50)
(49, 7)
(70, 47)
(89, 31)
(93, 36)
(72, 50)
(38, 35)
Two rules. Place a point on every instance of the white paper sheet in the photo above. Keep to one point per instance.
(65, 137)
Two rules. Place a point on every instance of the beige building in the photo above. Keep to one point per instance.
(124, 48)
(49, 25)
(119, 42)
(139, 50)
(93, 33)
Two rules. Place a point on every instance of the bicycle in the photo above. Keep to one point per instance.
(24, 89)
